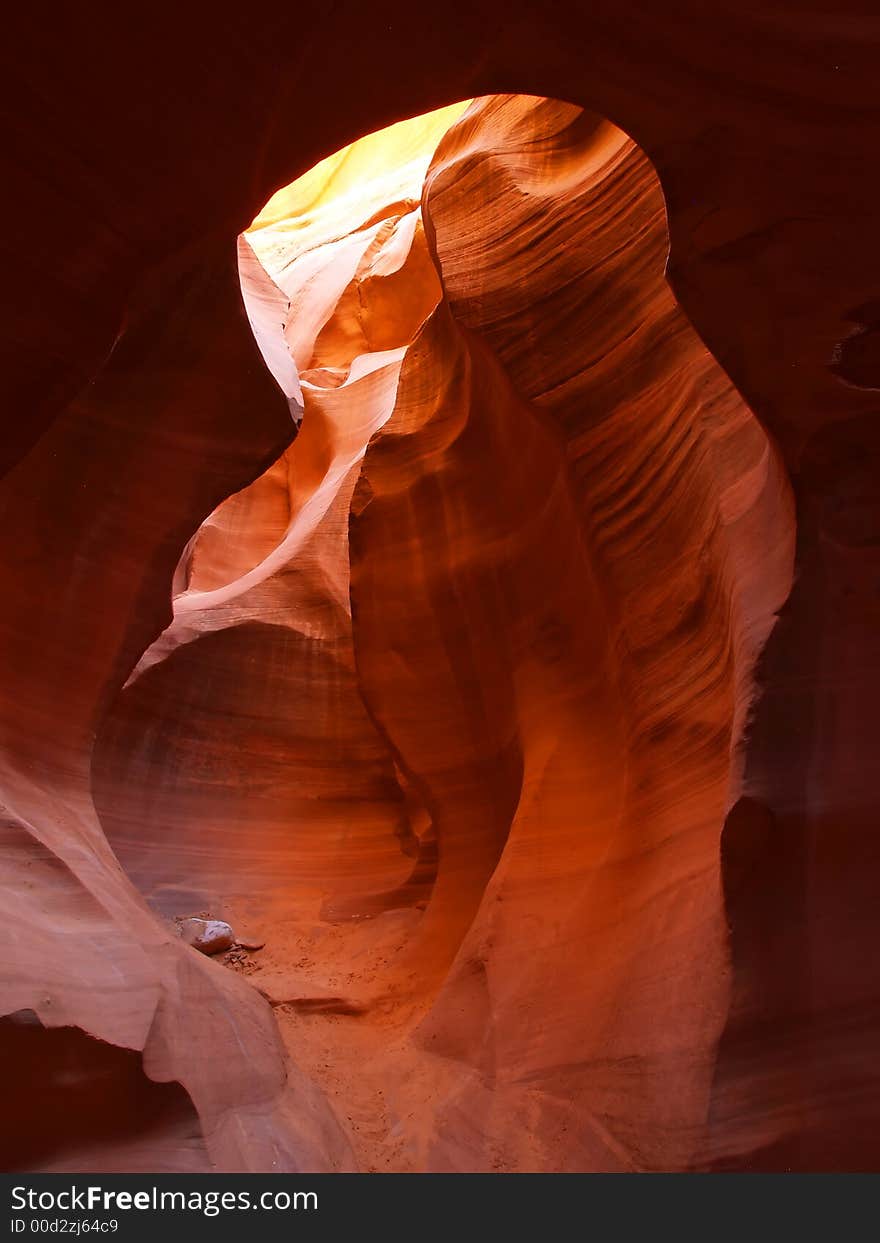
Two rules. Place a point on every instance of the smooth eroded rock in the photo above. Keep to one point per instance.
(209, 936)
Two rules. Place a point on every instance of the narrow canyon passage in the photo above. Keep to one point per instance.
(451, 556)
(467, 667)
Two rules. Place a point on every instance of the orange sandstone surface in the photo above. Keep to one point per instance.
(435, 555)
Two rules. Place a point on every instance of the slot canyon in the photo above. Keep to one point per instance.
(440, 494)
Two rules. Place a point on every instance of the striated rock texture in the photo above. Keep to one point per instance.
(452, 700)
(586, 629)
(277, 788)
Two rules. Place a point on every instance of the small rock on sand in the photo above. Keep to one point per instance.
(210, 936)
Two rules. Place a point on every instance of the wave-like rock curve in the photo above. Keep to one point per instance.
(449, 701)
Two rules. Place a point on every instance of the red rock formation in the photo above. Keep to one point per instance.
(585, 628)
(569, 538)
(251, 694)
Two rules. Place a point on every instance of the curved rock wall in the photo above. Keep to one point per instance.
(584, 624)
(527, 720)
(761, 126)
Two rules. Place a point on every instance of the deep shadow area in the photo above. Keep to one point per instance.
(70, 1096)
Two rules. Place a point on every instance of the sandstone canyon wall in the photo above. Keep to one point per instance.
(394, 584)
